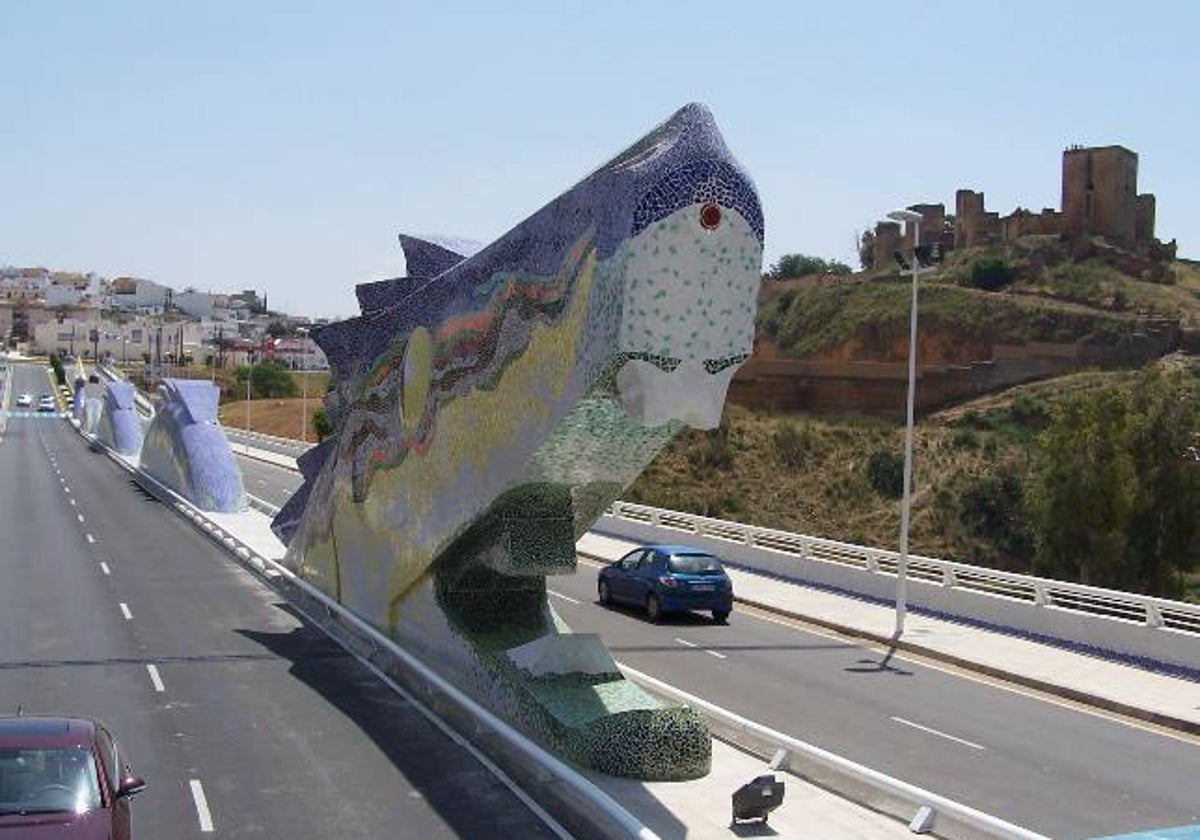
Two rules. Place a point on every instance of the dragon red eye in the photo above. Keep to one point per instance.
(710, 216)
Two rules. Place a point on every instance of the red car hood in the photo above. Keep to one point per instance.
(93, 825)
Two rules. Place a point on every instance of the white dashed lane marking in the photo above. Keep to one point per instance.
(90, 538)
(104, 568)
(155, 678)
(125, 611)
(965, 743)
(202, 812)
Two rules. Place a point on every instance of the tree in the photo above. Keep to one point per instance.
(1082, 492)
(277, 329)
(866, 250)
(1115, 497)
(801, 265)
(1163, 522)
(267, 380)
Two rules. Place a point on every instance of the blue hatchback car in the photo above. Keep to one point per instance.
(668, 578)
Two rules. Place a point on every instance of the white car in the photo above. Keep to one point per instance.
(25, 401)
(47, 403)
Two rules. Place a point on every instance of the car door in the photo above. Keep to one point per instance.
(620, 585)
(112, 779)
(641, 579)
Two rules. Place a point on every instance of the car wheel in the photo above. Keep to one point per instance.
(654, 609)
(605, 595)
(720, 616)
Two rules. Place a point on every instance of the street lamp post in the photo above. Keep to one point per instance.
(304, 406)
(915, 270)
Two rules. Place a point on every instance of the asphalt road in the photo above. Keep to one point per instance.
(271, 483)
(1050, 767)
(1047, 766)
(107, 598)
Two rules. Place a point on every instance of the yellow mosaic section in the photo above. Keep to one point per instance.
(377, 540)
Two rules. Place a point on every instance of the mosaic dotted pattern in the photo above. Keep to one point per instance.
(488, 407)
(186, 450)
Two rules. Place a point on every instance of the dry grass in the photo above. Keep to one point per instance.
(271, 417)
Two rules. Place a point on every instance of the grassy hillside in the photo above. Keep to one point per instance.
(838, 478)
(1052, 299)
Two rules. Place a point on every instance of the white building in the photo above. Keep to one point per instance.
(300, 353)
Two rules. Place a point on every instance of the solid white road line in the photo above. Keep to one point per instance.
(104, 568)
(125, 611)
(686, 643)
(90, 538)
(155, 678)
(202, 812)
(564, 597)
(970, 744)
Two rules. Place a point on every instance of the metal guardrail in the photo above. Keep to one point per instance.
(886, 792)
(289, 443)
(1158, 613)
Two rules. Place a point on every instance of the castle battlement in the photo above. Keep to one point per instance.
(1099, 198)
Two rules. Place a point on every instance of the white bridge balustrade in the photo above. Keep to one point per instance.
(1116, 622)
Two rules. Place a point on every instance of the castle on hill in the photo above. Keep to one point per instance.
(1099, 199)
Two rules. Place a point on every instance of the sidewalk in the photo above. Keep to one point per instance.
(1168, 701)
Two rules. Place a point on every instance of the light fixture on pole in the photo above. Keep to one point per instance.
(914, 267)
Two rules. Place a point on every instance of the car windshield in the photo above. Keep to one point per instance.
(47, 780)
(694, 564)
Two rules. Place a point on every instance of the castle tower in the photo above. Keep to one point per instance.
(887, 241)
(1099, 193)
(1144, 227)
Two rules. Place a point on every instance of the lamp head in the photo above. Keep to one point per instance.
(905, 216)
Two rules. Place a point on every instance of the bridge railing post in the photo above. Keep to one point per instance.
(1153, 616)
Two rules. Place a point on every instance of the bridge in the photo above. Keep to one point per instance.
(239, 703)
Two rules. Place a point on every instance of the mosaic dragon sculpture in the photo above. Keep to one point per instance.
(186, 449)
(119, 427)
(489, 407)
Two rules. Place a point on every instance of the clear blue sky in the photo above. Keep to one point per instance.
(282, 145)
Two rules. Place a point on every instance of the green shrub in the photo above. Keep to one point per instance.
(885, 471)
(791, 445)
(321, 424)
(60, 375)
(991, 274)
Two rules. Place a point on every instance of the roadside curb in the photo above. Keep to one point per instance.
(1067, 693)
